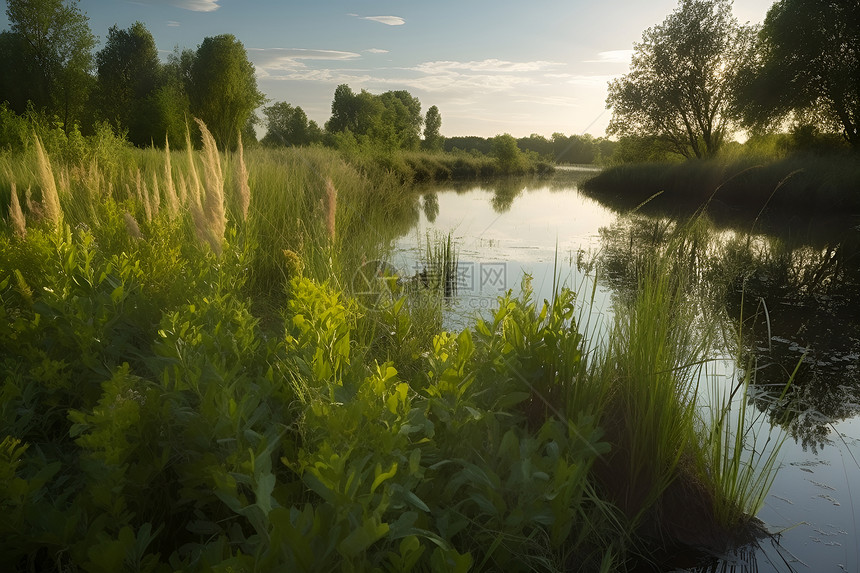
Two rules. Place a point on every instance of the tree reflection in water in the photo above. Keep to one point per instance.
(796, 306)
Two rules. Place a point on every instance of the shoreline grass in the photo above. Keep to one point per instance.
(799, 185)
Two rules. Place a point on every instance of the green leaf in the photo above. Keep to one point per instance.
(382, 476)
(362, 538)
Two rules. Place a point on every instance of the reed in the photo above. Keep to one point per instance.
(19, 223)
(50, 197)
(240, 182)
(173, 201)
(739, 463)
(440, 264)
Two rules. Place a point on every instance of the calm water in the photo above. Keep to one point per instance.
(548, 229)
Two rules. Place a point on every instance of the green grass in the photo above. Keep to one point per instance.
(190, 387)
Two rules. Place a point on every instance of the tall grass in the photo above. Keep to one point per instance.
(440, 265)
(739, 464)
(653, 361)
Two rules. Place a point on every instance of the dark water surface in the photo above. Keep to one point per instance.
(800, 311)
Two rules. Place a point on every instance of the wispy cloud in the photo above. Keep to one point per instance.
(612, 57)
(192, 5)
(485, 75)
(288, 63)
(198, 5)
(485, 66)
(387, 20)
(376, 51)
(172, 24)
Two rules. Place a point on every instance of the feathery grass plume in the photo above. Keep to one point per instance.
(194, 187)
(212, 202)
(169, 186)
(331, 207)
(63, 179)
(131, 226)
(34, 207)
(155, 196)
(50, 197)
(143, 195)
(19, 224)
(240, 180)
(183, 192)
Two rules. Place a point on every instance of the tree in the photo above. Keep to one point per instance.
(223, 88)
(682, 79)
(288, 125)
(389, 121)
(505, 150)
(809, 67)
(129, 75)
(402, 112)
(344, 110)
(56, 54)
(433, 139)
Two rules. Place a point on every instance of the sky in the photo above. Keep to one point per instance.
(490, 66)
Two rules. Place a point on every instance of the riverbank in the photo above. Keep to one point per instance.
(799, 186)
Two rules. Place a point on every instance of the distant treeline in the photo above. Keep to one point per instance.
(559, 148)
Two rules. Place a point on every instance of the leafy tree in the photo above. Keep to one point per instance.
(55, 45)
(809, 67)
(390, 121)
(129, 76)
(681, 84)
(171, 98)
(505, 150)
(433, 139)
(537, 144)
(288, 125)
(402, 112)
(19, 80)
(344, 110)
(223, 88)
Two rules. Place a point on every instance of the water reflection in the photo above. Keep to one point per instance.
(430, 203)
(794, 307)
(504, 193)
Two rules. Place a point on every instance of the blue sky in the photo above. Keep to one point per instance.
(489, 66)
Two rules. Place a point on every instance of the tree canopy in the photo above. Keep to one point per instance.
(433, 139)
(681, 84)
(129, 73)
(391, 120)
(808, 67)
(223, 88)
(49, 54)
(288, 125)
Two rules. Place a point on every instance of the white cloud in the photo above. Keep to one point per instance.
(197, 5)
(612, 57)
(172, 24)
(289, 63)
(192, 5)
(387, 20)
(377, 51)
(486, 66)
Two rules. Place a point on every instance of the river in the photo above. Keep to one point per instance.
(803, 280)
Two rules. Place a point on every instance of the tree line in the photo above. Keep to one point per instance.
(700, 76)
(50, 72)
(49, 68)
